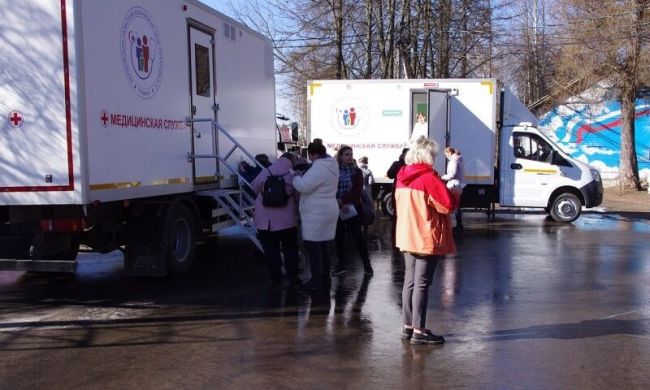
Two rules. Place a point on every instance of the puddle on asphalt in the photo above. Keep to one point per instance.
(612, 222)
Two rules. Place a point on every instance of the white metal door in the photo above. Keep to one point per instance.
(439, 125)
(202, 86)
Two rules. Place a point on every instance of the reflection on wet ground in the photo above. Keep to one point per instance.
(526, 303)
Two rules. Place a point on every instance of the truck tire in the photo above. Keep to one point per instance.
(566, 208)
(180, 239)
(72, 250)
(15, 246)
(388, 205)
(55, 246)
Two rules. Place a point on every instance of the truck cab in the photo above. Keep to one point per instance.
(534, 172)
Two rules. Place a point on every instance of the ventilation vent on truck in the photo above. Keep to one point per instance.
(229, 31)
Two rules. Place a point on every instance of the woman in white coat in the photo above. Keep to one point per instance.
(455, 178)
(319, 210)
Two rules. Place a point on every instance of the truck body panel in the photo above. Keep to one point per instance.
(123, 126)
(386, 114)
(105, 113)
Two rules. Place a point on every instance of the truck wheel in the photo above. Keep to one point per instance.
(15, 246)
(180, 237)
(55, 246)
(566, 208)
(71, 251)
(388, 205)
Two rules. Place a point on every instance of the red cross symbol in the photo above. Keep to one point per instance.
(15, 119)
(104, 118)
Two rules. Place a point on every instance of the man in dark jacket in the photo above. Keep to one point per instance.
(392, 173)
(396, 166)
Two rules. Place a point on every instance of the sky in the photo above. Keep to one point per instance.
(226, 7)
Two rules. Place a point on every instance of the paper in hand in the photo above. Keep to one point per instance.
(347, 211)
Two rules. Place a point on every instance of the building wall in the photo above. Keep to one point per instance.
(592, 133)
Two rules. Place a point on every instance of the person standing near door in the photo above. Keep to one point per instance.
(455, 178)
(277, 226)
(421, 127)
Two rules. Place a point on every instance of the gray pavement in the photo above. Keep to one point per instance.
(526, 304)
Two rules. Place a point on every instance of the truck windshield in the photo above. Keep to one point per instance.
(556, 146)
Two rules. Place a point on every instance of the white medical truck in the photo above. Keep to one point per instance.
(113, 132)
(507, 159)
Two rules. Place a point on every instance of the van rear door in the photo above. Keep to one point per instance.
(439, 124)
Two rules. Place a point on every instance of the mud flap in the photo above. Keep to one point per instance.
(145, 265)
(145, 250)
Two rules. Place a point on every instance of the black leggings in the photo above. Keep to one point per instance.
(351, 227)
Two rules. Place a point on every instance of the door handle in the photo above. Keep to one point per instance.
(515, 166)
(193, 110)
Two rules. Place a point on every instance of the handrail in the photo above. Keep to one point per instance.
(236, 145)
(244, 196)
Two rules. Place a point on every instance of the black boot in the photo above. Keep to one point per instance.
(367, 268)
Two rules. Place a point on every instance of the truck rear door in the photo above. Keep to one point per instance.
(37, 102)
(202, 89)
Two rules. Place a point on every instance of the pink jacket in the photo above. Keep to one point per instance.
(276, 218)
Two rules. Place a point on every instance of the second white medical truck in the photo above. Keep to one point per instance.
(507, 159)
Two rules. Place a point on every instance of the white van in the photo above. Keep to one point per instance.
(507, 159)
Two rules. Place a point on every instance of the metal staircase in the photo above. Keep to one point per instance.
(236, 206)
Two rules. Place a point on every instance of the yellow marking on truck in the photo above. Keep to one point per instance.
(205, 179)
(542, 171)
(489, 84)
(177, 180)
(114, 186)
(313, 86)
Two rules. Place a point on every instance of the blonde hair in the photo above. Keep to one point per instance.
(422, 151)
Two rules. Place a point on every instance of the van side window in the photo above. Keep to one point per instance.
(531, 147)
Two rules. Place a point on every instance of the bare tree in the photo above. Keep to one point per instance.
(319, 39)
(608, 40)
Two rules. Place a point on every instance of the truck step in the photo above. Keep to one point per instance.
(67, 266)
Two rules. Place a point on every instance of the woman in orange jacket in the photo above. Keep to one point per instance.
(423, 233)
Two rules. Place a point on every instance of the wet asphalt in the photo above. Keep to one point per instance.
(526, 304)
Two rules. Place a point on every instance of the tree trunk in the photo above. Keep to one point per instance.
(369, 27)
(444, 47)
(404, 39)
(338, 27)
(629, 170)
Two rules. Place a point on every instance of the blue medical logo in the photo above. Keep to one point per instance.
(142, 52)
